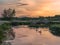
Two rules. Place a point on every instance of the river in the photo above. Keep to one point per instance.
(28, 36)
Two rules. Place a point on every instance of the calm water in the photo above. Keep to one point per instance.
(28, 36)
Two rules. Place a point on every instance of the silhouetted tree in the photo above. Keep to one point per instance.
(8, 13)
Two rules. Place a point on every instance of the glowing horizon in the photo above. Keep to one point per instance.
(34, 8)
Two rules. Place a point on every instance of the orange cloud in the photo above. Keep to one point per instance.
(34, 8)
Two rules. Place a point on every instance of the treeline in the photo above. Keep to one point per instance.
(54, 18)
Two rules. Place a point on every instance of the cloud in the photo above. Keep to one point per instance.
(34, 7)
(7, 1)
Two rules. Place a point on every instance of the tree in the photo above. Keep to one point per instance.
(8, 13)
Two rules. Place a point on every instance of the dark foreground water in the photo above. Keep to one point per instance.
(28, 36)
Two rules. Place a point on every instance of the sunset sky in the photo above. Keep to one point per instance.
(34, 8)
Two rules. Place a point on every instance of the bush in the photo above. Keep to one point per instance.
(3, 28)
(55, 30)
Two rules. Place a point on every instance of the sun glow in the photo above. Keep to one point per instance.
(34, 8)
